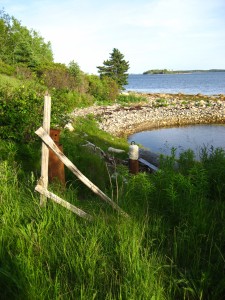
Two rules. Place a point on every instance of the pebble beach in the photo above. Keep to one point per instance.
(158, 110)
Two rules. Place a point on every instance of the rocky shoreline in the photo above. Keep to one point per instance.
(159, 110)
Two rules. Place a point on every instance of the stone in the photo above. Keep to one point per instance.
(118, 120)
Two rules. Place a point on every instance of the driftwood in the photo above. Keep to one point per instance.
(111, 149)
(148, 164)
(149, 156)
(55, 198)
(49, 142)
(95, 149)
(106, 156)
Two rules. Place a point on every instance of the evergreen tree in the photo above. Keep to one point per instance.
(115, 67)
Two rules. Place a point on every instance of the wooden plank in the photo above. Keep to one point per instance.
(45, 150)
(148, 164)
(69, 206)
(50, 143)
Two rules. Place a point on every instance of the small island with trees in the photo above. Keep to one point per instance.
(165, 71)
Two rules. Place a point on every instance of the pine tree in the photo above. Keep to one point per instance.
(115, 67)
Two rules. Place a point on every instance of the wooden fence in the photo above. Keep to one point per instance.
(42, 186)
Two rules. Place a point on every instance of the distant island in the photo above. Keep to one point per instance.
(165, 71)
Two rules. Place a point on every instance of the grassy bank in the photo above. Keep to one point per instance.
(171, 247)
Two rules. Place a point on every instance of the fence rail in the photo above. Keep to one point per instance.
(42, 186)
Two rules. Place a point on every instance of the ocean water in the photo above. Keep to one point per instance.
(206, 83)
(182, 138)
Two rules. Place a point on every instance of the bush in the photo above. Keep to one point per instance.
(59, 76)
(104, 90)
(131, 98)
(214, 163)
(6, 69)
(21, 109)
(20, 112)
(54, 76)
(22, 72)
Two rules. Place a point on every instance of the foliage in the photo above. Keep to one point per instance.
(6, 69)
(21, 109)
(59, 76)
(78, 79)
(9, 82)
(27, 71)
(158, 71)
(21, 101)
(55, 76)
(74, 69)
(213, 160)
(130, 98)
(20, 45)
(115, 67)
(104, 90)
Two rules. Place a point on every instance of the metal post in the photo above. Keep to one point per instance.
(56, 166)
(133, 158)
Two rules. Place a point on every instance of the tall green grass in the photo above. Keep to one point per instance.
(51, 254)
(171, 247)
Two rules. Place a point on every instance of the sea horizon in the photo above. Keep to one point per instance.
(206, 83)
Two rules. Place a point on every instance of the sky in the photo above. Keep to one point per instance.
(151, 34)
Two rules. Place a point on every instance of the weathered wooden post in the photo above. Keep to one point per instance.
(133, 158)
(45, 150)
(48, 141)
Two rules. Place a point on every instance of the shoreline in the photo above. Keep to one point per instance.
(158, 111)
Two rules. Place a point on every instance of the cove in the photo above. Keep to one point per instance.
(194, 137)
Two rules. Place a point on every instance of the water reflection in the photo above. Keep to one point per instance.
(182, 138)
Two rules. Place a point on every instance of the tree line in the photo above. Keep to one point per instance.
(26, 61)
(21, 47)
(165, 71)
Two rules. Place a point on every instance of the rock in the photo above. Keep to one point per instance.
(69, 126)
(118, 120)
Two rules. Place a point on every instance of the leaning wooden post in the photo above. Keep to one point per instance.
(48, 141)
(45, 150)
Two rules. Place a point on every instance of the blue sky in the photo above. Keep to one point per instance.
(171, 34)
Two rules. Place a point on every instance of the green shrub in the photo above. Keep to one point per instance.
(213, 160)
(131, 98)
(104, 90)
(23, 73)
(21, 109)
(21, 112)
(74, 99)
(161, 102)
(186, 161)
(54, 76)
(6, 69)
(59, 76)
